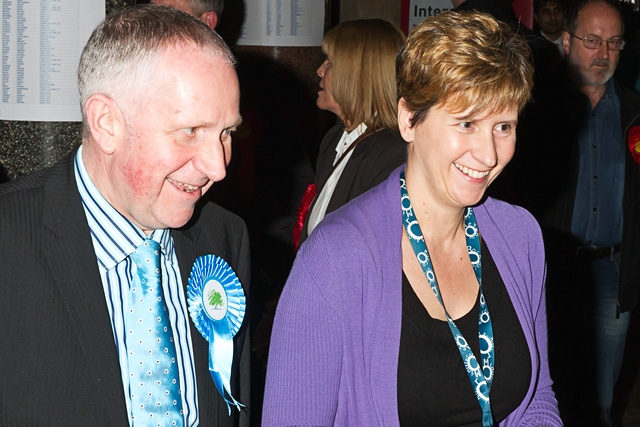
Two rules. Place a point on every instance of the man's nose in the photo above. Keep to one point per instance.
(603, 50)
(212, 159)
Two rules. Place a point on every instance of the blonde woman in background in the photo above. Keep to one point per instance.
(358, 85)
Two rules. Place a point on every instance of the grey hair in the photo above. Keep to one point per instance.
(123, 50)
(201, 6)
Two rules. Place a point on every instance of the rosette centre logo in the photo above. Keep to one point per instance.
(214, 299)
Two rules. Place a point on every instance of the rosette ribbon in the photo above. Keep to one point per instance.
(217, 306)
(309, 194)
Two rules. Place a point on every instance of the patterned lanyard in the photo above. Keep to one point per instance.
(481, 377)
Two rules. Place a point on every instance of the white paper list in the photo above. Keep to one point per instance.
(41, 45)
(283, 23)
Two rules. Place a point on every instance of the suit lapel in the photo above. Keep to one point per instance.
(327, 155)
(74, 269)
(342, 192)
(187, 250)
(324, 167)
(186, 246)
(189, 246)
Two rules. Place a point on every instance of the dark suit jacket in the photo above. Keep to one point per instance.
(373, 159)
(58, 359)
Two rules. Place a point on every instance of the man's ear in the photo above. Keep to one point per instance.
(210, 18)
(105, 122)
(404, 121)
(566, 42)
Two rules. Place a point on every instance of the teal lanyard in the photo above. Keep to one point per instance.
(481, 377)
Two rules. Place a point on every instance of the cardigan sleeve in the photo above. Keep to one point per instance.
(515, 242)
(305, 357)
(541, 409)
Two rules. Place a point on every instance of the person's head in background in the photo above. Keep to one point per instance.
(208, 11)
(592, 40)
(549, 15)
(357, 80)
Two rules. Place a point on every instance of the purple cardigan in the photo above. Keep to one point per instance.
(336, 336)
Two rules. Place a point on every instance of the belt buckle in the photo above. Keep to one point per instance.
(595, 253)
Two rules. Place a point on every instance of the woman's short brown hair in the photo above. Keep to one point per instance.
(466, 60)
(362, 53)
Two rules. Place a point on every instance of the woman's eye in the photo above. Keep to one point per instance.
(505, 127)
(466, 125)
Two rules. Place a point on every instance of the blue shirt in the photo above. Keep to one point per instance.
(114, 239)
(597, 211)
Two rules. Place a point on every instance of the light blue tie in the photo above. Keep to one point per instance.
(154, 383)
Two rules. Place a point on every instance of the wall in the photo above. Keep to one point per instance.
(362, 9)
(27, 146)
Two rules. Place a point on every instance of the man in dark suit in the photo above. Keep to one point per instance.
(160, 100)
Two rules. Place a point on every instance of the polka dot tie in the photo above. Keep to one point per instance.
(154, 384)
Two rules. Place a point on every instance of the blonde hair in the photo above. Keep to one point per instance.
(362, 53)
(464, 60)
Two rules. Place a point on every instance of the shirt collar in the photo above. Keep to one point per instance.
(607, 97)
(114, 236)
(349, 138)
(609, 90)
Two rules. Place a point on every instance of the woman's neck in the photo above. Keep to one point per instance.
(440, 224)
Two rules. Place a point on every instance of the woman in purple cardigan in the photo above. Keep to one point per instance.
(422, 302)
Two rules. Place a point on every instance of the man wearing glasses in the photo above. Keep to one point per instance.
(592, 215)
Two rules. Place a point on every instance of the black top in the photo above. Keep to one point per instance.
(433, 385)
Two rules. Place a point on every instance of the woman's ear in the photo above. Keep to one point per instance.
(404, 121)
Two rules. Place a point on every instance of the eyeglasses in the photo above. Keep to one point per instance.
(594, 42)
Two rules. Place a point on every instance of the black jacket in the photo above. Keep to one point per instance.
(58, 359)
(373, 159)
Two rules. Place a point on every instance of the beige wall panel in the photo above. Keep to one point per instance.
(361, 9)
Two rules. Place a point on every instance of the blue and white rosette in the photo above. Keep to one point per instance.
(217, 306)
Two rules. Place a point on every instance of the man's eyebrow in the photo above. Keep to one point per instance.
(237, 123)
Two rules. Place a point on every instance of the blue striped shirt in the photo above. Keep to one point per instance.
(114, 239)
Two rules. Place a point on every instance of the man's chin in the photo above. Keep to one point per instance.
(175, 220)
(601, 78)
